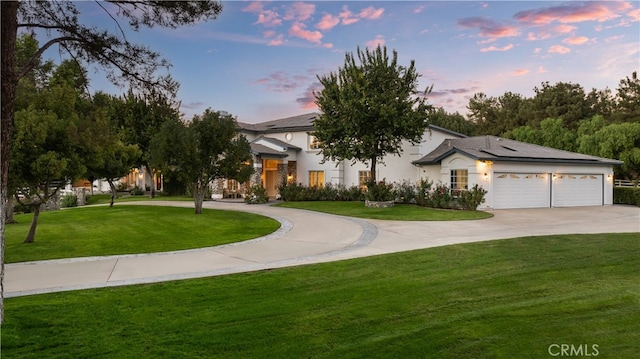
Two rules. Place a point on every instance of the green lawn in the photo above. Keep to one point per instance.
(499, 299)
(401, 212)
(103, 230)
(105, 198)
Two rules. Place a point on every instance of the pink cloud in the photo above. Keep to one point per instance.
(255, 6)
(308, 99)
(347, 17)
(371, 13)
(575, 40)
(277, 41)
(574, 12)
(558, 49)
(418, 9)
(634, 15)
(328, 45)
(300, 11)
(282, 82)
(378, 41)
(327, 22)
(614, 38)
(548, 32)
(520, 72)
(268, 18)
(494, 48)
(488, 28)
(541, 70)
(298, 30)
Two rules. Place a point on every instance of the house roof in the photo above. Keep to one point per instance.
(447, 131)
(277, 142)
(492, 148)
(262, 150)
(296, 123)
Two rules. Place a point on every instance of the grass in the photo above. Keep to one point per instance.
(105, 198)
(400, 212)
(499, 299)
(97, 231)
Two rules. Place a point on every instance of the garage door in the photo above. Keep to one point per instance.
(571, 190)
(521, 190)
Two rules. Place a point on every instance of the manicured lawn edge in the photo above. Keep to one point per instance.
(399, 212)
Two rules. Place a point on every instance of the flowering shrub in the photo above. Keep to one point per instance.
(379, 191)
(256, 195)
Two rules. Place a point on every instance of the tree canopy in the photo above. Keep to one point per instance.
(369, 107)
(200, 151)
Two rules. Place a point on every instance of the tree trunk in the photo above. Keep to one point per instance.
(8, 34)
(9, 211)
(153, 182)
(373, 169)
(114, 192)
(198, 198)
(31, 236)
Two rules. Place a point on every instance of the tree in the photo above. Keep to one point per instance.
(628, 99)
(140, 117)
(454, 122)
(562, 100)
(620, 141)
(124, 61)
(201, 151)
(369, 108)
(106, 156)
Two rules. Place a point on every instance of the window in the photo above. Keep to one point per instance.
(314, 144)
(232, 185)
(459, 179)
(316, 179)
(363, 178)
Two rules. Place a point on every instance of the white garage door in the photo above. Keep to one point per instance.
(521, 190)
(577, 190)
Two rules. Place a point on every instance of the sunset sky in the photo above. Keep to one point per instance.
(259, 60)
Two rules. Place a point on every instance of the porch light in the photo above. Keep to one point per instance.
(486, 175)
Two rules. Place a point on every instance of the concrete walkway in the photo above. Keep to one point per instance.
(306, 237)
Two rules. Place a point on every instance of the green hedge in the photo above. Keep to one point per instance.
(626, 195)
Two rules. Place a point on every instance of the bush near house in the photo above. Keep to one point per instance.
(69, 200)
(626, 195)
(256, 195)
(423, 194)
(297, 192)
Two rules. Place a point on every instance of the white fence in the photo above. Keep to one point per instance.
(624, 183)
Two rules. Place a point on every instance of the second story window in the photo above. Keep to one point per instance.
(314, 144)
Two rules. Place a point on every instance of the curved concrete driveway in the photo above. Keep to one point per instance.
(307, 237)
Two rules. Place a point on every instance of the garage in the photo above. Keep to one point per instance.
(521, 190)
(571, 190)
(524, 175)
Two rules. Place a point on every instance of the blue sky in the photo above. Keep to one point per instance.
(259, 60)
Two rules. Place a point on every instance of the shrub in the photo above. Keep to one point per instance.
(440, 197)
(423, 190)
(353, 193)
(136, 191)
(69, 200)
(405, 192)
(471, 199)
(379, 191)
(256, 195)
(626, 195)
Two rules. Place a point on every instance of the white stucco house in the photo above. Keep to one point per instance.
(515, 174)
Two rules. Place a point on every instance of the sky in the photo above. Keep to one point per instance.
(259, 60)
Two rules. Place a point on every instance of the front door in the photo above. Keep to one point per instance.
(271, 182)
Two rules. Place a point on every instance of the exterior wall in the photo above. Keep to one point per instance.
(393, 168)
